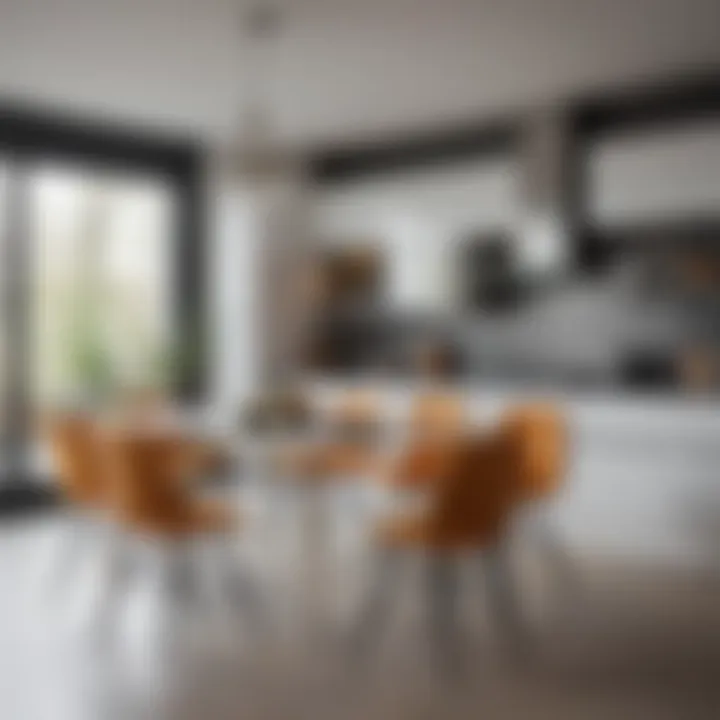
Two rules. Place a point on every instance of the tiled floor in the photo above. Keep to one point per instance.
(623, 644)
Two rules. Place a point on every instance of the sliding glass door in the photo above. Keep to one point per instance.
(99, 262)
(102, 279)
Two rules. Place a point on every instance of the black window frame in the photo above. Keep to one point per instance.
(29, 134)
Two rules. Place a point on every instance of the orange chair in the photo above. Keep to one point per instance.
(469, 504)
(76, 457)
(147, 408)
(150, 498)
(148, 492)
(542, 432)
(468, 509)
(436, 420)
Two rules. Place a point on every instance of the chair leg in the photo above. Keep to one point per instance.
(442, 594)
(212, 571)
(182, 576)
(111, 574)
(61, 555)
(563, 567)
(238, 584)
(161, 618)
(502, 595)
(375, 609)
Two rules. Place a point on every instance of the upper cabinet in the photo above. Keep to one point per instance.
(655, 175)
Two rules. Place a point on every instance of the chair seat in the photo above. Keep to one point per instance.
(419, 532)
(407, 530)
(215, 516)
(202, 517)
(423, 464)
(470, 504)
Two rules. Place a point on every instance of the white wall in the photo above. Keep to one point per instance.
(258, 310)
(234, 299)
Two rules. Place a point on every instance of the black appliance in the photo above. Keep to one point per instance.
(492, 281)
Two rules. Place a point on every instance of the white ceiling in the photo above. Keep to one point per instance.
(343, 68)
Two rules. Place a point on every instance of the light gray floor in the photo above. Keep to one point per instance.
(626, 643)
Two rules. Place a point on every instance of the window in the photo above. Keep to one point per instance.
(100, 273)
(102, 281)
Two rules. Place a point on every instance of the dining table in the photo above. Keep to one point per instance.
(304, 524)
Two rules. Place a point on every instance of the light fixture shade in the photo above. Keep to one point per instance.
(542, 245)
(255, 154)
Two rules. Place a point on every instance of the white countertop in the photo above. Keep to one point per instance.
(682, 415)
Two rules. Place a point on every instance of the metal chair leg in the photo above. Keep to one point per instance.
(162, 618)
(111, 575)
(242, 590)
(503, 597)
(442, 592)
(61, 554)
(563, 567)
(373, 615)
(212, 571)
